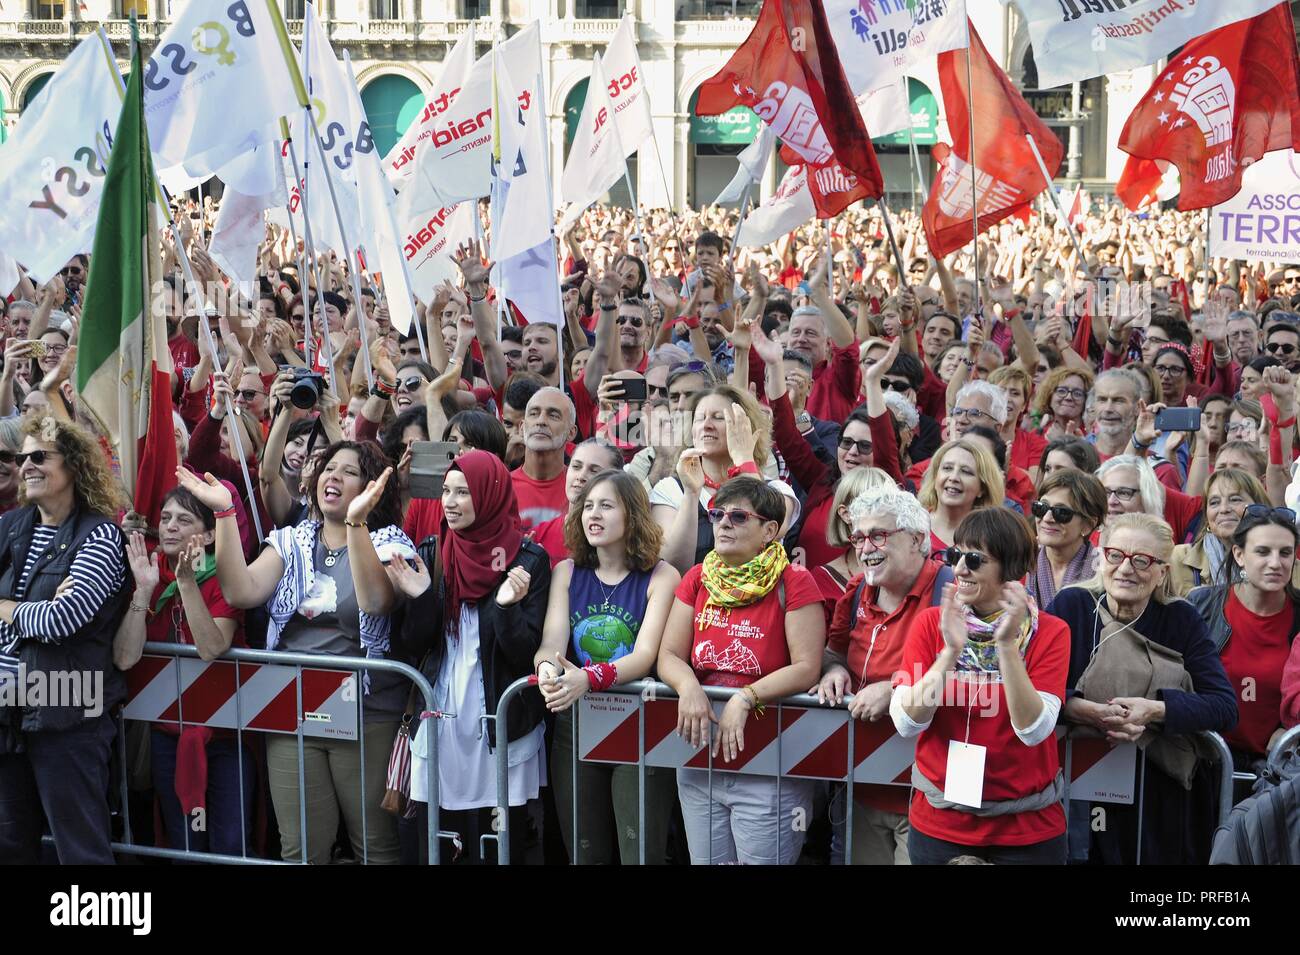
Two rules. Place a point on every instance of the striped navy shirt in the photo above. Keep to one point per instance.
(98, 570)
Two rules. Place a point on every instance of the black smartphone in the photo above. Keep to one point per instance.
(1178, 419)
(429, 463)
(634, 389)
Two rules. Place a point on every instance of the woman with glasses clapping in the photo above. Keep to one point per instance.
(1143, 669)
(1253, 622)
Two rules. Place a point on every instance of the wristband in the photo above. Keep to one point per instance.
(1112, 340)
(1285, 424)
(1139, 445)
(1010, 313)
(804, 288)
(137, 608)
(476, 301)
(347, 523)
(690, 321)
(968, 363)
(383, 389)
(228, 512)
(601, 676)
(1275, 444)
(608, 306)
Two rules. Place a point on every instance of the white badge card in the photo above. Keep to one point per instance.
(964, 779)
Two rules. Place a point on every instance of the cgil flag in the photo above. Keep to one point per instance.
(596, 159)
(880, 40)
(1224, 101)
(1080, 39)
(1006, 175)
(52, 168)
(627, 93)
(217, 84)
(123, 362)
(789, 73)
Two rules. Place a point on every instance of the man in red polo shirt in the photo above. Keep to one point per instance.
(864, 646)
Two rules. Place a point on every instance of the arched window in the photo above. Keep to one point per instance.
(392, 103)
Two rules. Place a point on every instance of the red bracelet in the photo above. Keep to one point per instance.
(601, 676)
(228, 512)
(690, 321)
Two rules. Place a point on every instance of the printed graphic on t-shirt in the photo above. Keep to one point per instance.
(323, 597)
(735, 657)
(602, 638)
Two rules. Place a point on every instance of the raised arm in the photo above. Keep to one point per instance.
(374, 591)
(243, 585)
(469, 259)
(602, 353)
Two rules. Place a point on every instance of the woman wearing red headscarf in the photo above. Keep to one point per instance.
(481, 626)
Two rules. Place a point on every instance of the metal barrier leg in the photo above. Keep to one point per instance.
(361, 735)
(1065, 799)
(1278, 753)
(640, 778)
(1226, 775)
(573, 792)
(180, 716)
(239, 757)
(1142, 791)
(780, 810)
(302, 772)
(126, 783)
(849, 801)
(709, 743)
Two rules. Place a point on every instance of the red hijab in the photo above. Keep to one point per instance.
(472, 559)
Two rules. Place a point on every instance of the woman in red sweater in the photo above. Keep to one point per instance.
(866, 440)
(980, 686)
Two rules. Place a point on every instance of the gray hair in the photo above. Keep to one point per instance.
(573, 412)
(993, 351)
(996, 396)
(179, 424)
(1127, 375)
(906, 510)
(903, 410)
(667, 354)
(805, 310)
(1149, 486)
(797, 358)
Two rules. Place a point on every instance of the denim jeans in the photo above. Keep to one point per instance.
(224, 830)
(926, 850)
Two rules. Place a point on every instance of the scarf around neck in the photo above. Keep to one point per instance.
(749, 583)
(207, 569)
(980, 655)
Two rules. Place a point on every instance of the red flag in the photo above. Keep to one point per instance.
(1224, 101)
(1138, 183)
(1007, 176)
(832, 187)
(789, 73)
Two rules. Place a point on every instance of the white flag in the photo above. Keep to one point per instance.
(1080, 39)
(455, 163)
(253, 185)
(52, 168)
(627, 92)
(398, 165)
(217, 80)
(521, 193)
(429, 238)
(753, 160)
(790, 207)
(531, 282)
(379, 235)
(886, 109)
(877, 40)
(596, 158)
(9, 275)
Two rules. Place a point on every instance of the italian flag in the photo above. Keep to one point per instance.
(123, 363)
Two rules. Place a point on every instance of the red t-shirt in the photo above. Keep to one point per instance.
(159, 627)
(1012, 770)
(836, 383)
(1181, 512)
(423, 519)
(737, 647)
(550, 535)
(1027, 449)
(539, 501)
(1257, 651)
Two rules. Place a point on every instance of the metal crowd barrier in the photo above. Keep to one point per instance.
(360, 666)
(651, 689)
(1290, 740)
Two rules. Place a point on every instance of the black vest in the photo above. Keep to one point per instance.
(90, 649)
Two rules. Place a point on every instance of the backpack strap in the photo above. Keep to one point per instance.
(944, 576)
(857, 602)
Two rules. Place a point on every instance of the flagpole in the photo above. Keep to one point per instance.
(893, 244)
(539, 96)
(1056, 200)
(974, 193)
(740, 217)
(307, 342)
(830, 263)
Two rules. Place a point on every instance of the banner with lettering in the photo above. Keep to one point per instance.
(1262, 221)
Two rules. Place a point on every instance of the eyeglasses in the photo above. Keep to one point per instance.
(411, 385)
(1060, 513)
(55, 349)
(634, 320)
(1123, 493)
(878, 538)
(1240, 427)
(1285, 348)
(895, 384)
(974, 559)
(1264, 512)
(248, 394)
(71, 270)
(1290, 280)
(1114, 556)
(36, 457)
(737, 517)
(1076, 393)
(973, 414)
(848, 444)
(657, 392)
(1170, 371)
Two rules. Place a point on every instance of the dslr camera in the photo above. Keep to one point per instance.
(307, 386)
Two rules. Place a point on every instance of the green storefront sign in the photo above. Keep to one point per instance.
(736, 127)
(925, 119)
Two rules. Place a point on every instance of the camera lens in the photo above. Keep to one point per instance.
(305, 393)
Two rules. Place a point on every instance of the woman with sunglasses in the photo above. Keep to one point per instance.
(1059, 403)
(478, 626)
(193, 766)
(323, 584)
(63, 593)
(980, 685)
(1143, 668)
(1071, 506)
(1208, 559)
(1253, 623)
(607, 609)
(749, 619)
(962, 478)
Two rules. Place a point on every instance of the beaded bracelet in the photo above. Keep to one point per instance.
(228, 512)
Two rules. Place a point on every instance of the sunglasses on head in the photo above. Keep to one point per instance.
(1060, 513)
(1264, 512)
(738, 517)
(974, 559)
(37, 458)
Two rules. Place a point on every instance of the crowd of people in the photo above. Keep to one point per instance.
(1028, 489)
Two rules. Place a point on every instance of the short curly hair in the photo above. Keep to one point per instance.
(373, 461)
(95, 488)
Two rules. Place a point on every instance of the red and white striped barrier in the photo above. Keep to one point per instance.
(812, 743)
(264, 699)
